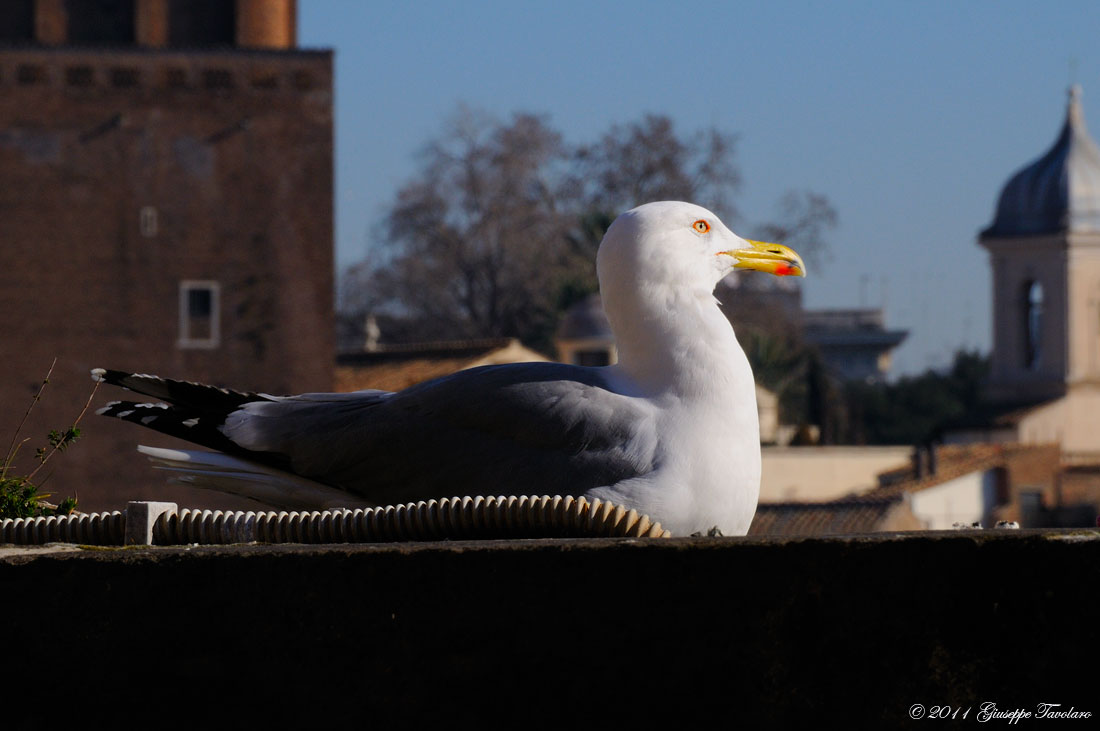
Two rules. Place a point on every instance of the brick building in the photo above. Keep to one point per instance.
(166, 207)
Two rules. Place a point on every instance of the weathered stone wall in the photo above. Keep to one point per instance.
(746, 633)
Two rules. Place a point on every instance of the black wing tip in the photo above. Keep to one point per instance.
(202, 396)
(174, 421)
(128, 410)
(203, 429)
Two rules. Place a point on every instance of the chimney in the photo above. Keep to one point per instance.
(373, 333)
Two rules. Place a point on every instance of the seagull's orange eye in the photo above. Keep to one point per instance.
(701, 226)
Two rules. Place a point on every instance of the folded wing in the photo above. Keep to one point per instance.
(532, 428)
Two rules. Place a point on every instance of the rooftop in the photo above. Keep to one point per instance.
(394, 367)
(837, 517)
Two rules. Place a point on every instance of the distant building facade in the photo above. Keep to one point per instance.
(814, 474)
(165, 206)
(584, 335)
(933, 488)
(763, 303)
(854, 343)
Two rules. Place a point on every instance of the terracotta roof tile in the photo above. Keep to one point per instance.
(394, 367)
(836, 517)
(395, 375)
(952, 461)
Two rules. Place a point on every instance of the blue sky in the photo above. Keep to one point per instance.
(909, 116)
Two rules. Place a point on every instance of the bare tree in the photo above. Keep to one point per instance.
(647, 161)
(477, 238)
(497, 233)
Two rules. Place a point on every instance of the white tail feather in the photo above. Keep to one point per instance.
(224, 473)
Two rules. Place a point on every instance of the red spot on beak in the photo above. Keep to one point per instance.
(783, 270)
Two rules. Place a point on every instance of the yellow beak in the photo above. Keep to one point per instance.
(776, 259)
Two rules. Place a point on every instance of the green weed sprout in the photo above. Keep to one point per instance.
(19, 496)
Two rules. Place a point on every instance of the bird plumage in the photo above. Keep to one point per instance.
(671, 430)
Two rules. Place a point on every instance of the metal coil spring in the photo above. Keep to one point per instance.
(97, 529)
(453, 518)
(449, 518)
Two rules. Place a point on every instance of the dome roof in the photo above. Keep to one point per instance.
(1059, 192)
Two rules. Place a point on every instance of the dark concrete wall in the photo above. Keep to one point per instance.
(748, 633)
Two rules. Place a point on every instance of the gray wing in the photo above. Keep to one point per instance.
(531, 428)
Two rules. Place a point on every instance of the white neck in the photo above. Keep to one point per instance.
(677, 341)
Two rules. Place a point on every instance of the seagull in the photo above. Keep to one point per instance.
(670, 430)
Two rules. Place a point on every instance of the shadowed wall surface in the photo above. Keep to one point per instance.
(530, 633)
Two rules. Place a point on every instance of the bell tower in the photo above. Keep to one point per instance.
(1044, 246)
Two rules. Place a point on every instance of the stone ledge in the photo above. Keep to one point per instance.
(767, 632)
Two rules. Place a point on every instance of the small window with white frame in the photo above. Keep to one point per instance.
(200, 321)
(147, 221)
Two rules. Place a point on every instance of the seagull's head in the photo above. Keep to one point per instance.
(682, 244)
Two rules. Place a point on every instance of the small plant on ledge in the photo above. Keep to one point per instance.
(19, 496)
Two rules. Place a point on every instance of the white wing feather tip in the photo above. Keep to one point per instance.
(226, 473)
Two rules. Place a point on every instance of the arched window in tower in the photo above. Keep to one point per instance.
(1033, 324)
